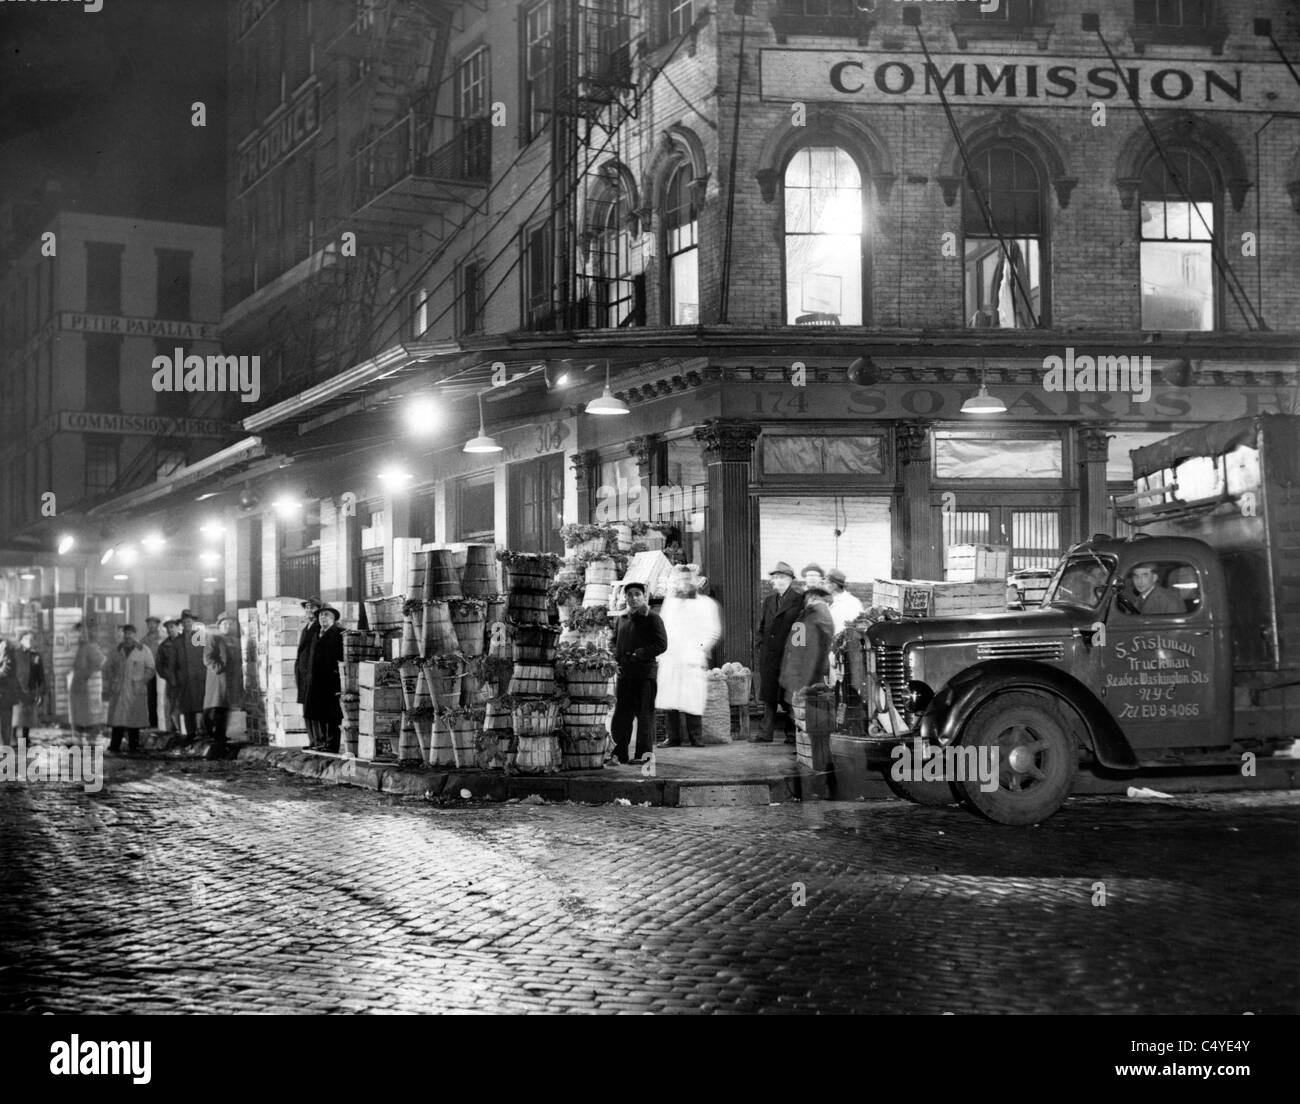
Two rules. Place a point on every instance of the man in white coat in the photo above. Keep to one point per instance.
(693, 625)
(129, 669)
(845, 609)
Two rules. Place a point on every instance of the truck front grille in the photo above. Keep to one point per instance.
(893, 672)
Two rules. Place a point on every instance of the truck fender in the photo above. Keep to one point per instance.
(953, 706)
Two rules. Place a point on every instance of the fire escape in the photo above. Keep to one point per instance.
(392, 171)
(591, 99)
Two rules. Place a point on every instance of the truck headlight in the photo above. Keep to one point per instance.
(919, 697)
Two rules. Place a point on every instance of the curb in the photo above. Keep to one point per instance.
(466, 785)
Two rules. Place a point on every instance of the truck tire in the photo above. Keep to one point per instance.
(1037, 758)
(934, 794)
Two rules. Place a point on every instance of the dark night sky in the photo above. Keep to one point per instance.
(102, 101)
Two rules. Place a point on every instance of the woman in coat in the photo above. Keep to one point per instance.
(29, 674)
(224, 690)
(693, 626)
(320, 696)
(87, 663)
(129, 669)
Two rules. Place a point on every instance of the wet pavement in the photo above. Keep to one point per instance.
(194, 886)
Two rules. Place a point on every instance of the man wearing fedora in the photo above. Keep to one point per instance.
(780, 609)
(224, 688)
(806, 661)
(319, 692)
(306, 638)
(191, 672)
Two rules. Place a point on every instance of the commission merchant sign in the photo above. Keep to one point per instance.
(874, 77)
(84, 421)
(277, 138)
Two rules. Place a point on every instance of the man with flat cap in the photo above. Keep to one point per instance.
(780, 609)
(806, 661)
(167, 658)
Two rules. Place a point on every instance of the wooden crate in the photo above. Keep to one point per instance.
(969, 563)
(377, 748)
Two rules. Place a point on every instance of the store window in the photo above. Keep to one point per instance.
(828, 18)
(849, 532)
(474, 508)
(535, 66)
(823, 237)
(103, 374)
(972, 455)
(103, 278)
(1177, 232)
(536, 491)
(424, 516)
(101, 467)
(1032, 534)
(174, 267)
(822, 455)
(1119, 467)
(681, 230)
(1003, 227)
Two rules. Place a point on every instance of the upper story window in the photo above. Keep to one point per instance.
(471, 297)
(612, 289)
(1177, 232)
(472, 87)
(535, 64)
(419, 312)
(103, 278)
(1007, 19)
(174, 283)
(832, 18)
(1003, 227)
(681, 229)
(824, 259)
(676, 17)
(1178, 23)
(536, 277)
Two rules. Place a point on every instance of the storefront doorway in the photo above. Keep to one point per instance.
(536, 505)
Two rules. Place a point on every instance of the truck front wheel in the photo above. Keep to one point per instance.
(1034, 759)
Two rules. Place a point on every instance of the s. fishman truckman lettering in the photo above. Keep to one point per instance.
(214, 373)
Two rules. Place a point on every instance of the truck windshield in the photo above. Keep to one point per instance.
(1080, 582)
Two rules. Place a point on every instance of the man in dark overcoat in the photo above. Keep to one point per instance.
(780, 609)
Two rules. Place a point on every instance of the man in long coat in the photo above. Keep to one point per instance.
(129, 669)
(87, 663)
(306, 638)
(807, 651)
(780, 608)
(29, 672)
(191, 672)
(8, 693)
(168, 658)
(225, 678)
(320, 693)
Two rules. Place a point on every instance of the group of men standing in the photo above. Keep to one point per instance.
(793, 645)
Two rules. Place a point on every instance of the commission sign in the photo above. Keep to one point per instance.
(877, 77)
(278, 137)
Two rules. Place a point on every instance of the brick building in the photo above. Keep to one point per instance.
(797, 235)
(86, 302)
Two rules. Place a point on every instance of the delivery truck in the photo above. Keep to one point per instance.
(1175, 645)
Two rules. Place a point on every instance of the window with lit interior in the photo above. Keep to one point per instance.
(823, 237)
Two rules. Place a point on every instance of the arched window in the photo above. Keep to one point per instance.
(1003, 228)
(823, 237)
(1177, 233)
(681, 228)
(612, 293)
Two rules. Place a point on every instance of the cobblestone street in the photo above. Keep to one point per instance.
(221, 887)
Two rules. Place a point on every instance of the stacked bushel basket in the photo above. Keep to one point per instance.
(532, 698)
(813, 709)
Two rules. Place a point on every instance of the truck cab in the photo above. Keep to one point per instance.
(1152, 651)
